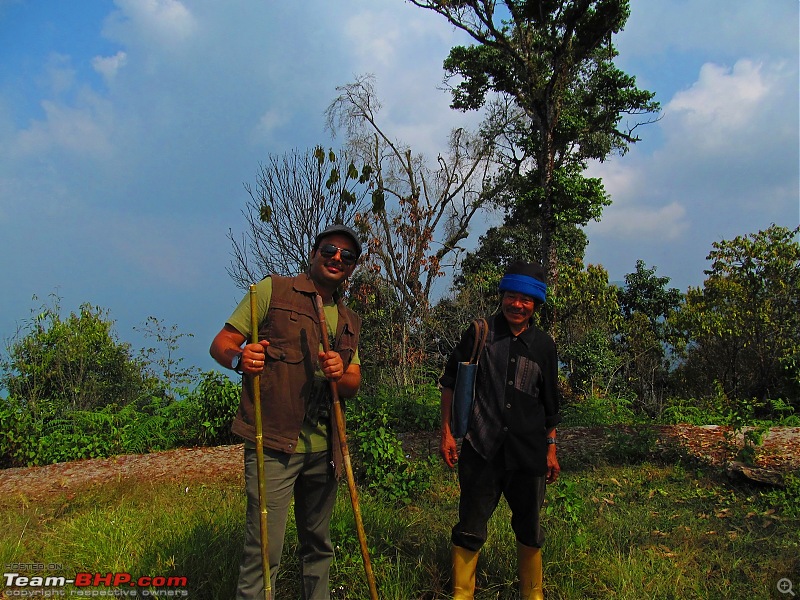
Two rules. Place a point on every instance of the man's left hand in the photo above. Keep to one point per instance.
(331, 364)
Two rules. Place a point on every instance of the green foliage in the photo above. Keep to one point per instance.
(589, 317)
(163, 361)
(596, 410)
(631, 445)
(56, 364)
(647, 294)
(217, 399)
(561, 100)
(565, 502)
(75, 392)
(384, 467)
(585, 303)
(413, 408)
(592, 363)
(79, 434)
(689, 411)
(786, 499)
(741, 328)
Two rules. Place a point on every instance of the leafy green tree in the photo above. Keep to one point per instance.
(558, 100)
(74, 363)
(646, 293)
(739, 330)
(642, 344)
(589, 319)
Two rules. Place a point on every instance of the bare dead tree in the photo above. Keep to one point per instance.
(421, 210)
(295, 196)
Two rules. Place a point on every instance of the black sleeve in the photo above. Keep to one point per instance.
(550, 396)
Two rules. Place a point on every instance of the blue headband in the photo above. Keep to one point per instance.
(524, 285)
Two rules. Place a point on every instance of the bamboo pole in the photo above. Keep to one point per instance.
(348, 468)
(262, 483)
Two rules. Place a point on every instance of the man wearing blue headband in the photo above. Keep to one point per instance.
(510, 447)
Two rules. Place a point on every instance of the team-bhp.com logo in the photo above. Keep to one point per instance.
(48, 586)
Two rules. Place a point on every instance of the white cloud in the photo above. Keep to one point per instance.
(269, 122)
(639, 223)
(75, 130)
(151, 27)
(722, 101)
(369, 48)
(108, 66)
(60, 73)
(727, 167)
(165, 19)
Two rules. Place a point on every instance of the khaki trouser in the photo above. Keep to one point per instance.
(309, 477)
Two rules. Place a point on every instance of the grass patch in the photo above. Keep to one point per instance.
(629, 531)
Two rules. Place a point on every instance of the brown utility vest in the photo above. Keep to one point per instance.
(292, 358)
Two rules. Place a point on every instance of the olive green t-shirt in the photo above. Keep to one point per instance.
(313, 437)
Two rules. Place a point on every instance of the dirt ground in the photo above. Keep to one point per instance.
(779, 453)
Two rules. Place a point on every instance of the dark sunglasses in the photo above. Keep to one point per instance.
(329, 251)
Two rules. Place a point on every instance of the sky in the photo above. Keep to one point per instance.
(128, 129)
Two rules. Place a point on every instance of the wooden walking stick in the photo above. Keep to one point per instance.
(348, 468)
(262, 483)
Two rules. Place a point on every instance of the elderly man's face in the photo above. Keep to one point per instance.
(518, 310)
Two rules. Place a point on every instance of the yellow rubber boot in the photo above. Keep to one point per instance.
(465, 563)
(530, 572)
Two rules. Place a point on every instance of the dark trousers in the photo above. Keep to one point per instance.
(482, 483)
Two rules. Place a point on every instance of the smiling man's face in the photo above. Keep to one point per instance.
(518, 310)
(330, 272)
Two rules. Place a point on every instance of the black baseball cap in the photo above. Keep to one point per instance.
(338, 228)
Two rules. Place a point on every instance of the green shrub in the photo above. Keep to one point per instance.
(413, 407)
(631, 445)
(596, 410)
(217, 399)
(56, 364)
(688, 411)
(384, 467)
(786, 499)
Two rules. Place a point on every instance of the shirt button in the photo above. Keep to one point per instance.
(505, 428)
(508, 406)
(510, 382)
(513, 360)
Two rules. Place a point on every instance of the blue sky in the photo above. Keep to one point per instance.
(128, 128)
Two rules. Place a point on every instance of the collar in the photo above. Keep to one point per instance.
(302, 283)
(502, 330)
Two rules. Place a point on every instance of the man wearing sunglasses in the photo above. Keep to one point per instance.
(302, 455)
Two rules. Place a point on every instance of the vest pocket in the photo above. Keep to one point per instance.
(287, 355)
